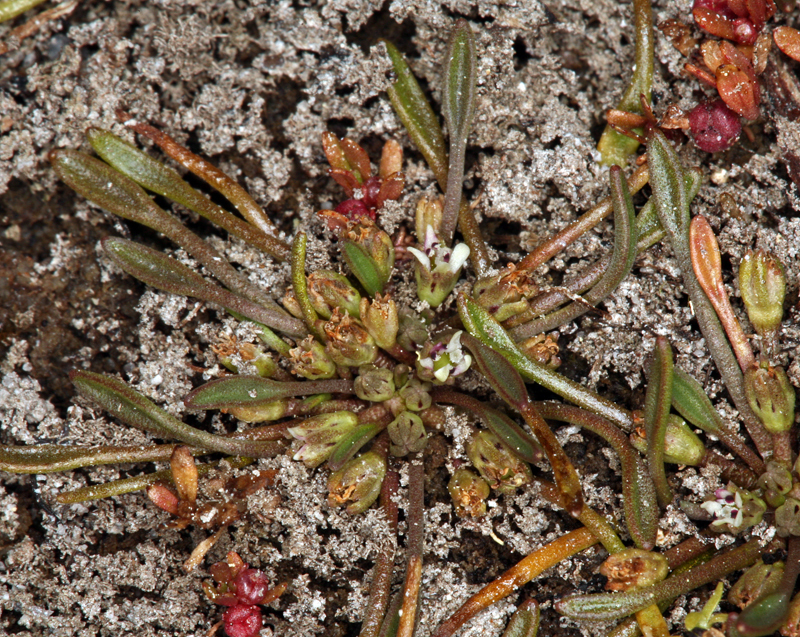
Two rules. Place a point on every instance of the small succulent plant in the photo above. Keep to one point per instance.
(361, 379)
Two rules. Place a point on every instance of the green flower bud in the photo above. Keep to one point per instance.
(381, 320)
(358, 482)
(407, 433)
(497, 464)
(415, 395)
(469, 493)
(771, 396)
(429, 213)
(632, 568)
(349, 343)
(369, 253)
(787, 518)
(374, 384)
(681, 444)
(273, 410)
(775, 482)
(320, 435)
(762, 283)
(412, 333)
(311, 361)
(327, 290)
(760, 579)
(791, 626)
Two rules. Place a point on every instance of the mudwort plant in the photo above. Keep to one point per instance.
(355, 380)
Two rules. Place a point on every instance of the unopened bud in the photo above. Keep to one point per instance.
(762, 283)
(369, 253)
(407, 433)
(429, 213)
(681, 444)
(349, 343)
(775, 482)
(320, 435)
(504, 295)
(760, 579)
(374, 384)
(771, 396)
(381, 320)
(290, 302)
(413, 333)
(469, 493)
(787, 518)
(358, 482)
(327, 290)
(631, 569)
(416, 394)
(497, 464)
(311, 361)
(272, 410)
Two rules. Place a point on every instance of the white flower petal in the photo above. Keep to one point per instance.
(442, 373)
(459, 257)
(420, 256)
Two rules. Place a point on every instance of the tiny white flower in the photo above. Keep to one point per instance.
(447, 360)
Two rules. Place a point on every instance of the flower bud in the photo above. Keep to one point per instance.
(311, 361)
(381, 320)
(760, 579)
(327, 290)
(497, 464)
(369, 253)
(412, 333)
(791, 626)
(787, 518)
(289, 301)
(242, 620)
(762, 283)
(357, 482)
(415, 394)
(632, 569)
(429, 213)
(771, 396)
(504, 295)
(374, 384)
(681, 444)
(407, 433)
(321, 434)
(775, 482)
(265, 412)
(264, 364)
(349, 343)
(469, 493)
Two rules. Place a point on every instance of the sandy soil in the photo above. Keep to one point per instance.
(252, 86)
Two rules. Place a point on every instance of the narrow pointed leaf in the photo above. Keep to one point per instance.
(350, 445)
(414, 110)
(300, 283)
(163, 180)
(656, 413)
(122, 402)
(483, 326)
(240, 390)
(165, 273)
(51, 458)
(364, 268)
(458, 108)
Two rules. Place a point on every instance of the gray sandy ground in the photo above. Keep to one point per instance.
(252, 86)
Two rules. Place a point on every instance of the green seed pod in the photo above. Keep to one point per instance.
(681, 445)
(762, 282)
(349, 343)
(407, 433)
(771, 396)
(633, 568)
(787, 518)
(469, 493)
(321, 434)
(415, 394)
(358, 482)
(374, 384)
(381, 320)
(759, 580)
(311, 361)
(775, 482)
(328, 290)
(273, 410)
(497, 464)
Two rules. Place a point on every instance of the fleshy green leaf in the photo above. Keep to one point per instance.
(350, 445)
(132, 408)
(656, 413)
(51, 458)
(241, 390)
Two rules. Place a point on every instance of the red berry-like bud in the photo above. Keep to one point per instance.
(251, 586)
(714, 126)
(242, 621)
(371, 188)
(745, 31)
(353, 209)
